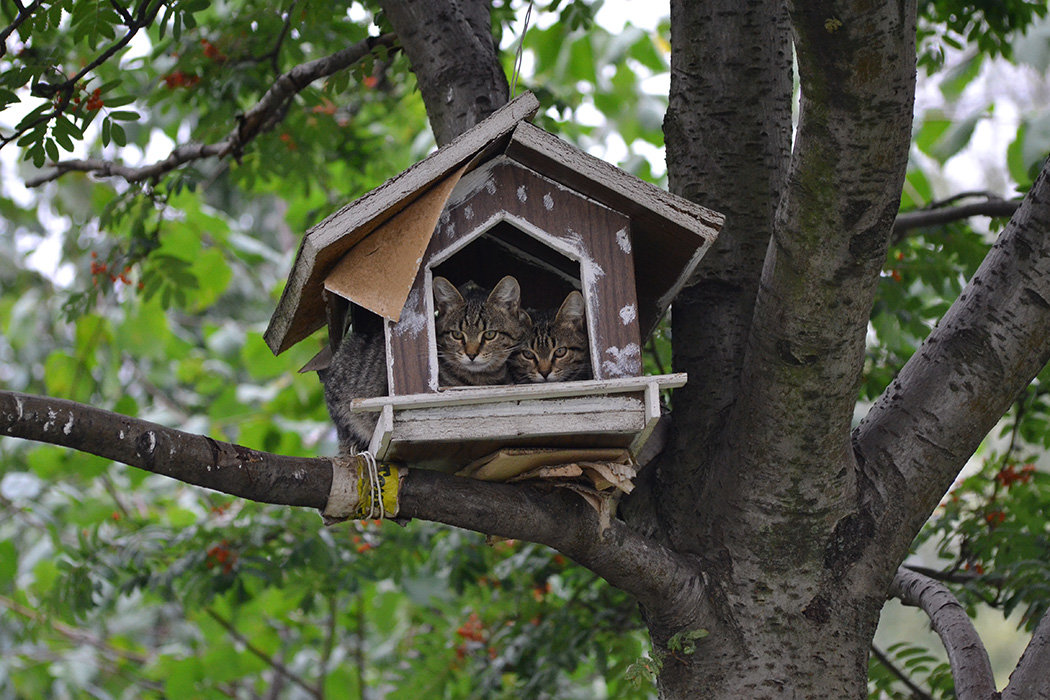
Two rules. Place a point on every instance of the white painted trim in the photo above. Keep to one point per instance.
(428, 305)
(380, 442)
(519, 392)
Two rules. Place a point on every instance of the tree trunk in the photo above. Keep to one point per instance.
(454, 58)
(760, 481)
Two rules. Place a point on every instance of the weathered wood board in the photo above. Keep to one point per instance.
(451, 429)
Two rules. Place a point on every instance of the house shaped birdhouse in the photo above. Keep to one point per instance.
(505, 198)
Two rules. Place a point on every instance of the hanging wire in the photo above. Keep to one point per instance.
(517, 55)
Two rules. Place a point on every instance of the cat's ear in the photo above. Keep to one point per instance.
(571, 310)
(507, 293)
(446, 297)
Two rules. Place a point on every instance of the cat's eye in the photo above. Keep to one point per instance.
(561, 352)
(489, 335)
(528, 354)
(456, 335)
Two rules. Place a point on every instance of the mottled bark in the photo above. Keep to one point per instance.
(454, 57)
(193, 459)
(971, 668)
(1030, 680)
(767, 451)
(728, 146)
(986, 349)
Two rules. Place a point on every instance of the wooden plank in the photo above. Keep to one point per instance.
(380, 442)
(463, 396)
(453, 455)
(300, 311)
(618, 415)
(411, 342)
(652, 417)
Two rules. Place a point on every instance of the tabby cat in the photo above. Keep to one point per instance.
(555, 349)
(476, 331)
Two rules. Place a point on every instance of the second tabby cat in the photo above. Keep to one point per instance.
(555, 349)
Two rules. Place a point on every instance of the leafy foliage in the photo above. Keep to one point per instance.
(155, 294)
(988, 25)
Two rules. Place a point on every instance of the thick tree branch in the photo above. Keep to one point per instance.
(806, 347)
(266, 114)
(668, 584)
(986, 349)
(1030, 679)
(971, 668)
(454, 58)
(193, 459)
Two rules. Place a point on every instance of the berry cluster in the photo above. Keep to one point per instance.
(1010, 475)
(221, 555)
(103, 270)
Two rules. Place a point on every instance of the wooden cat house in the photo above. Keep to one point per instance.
(506, 197)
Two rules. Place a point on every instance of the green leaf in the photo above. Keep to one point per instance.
(124, 115)
(8, 563)
(116, 132)
(66, 377)
(960, 76)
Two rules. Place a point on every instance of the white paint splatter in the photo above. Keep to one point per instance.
(628, 314)
(208, 467)
(468, 212)
(299, 474)
(548, 202)
(51, 415)
(522, 194)
(490, 186)
(412, 322)
(18, 405)
(152, 441)
(120, 436)
(68, 427)
(623, 240)
(574, 239)
(624, 363)
(593, 269)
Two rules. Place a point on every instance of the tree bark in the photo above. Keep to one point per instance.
(728, 148)
(971, 668)
(994, 339)
(782, 527)
(1030, 680)
(454, 58)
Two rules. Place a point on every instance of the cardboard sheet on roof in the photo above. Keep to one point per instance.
(378, 272)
